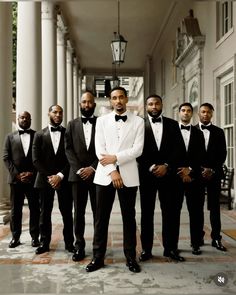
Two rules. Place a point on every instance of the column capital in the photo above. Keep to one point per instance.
(62, 31)
(48, 11)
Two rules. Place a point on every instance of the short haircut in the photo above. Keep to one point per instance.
(54, 105)
(207, 104)
(186, 104)
(88, 91)
(154, 96)
(118, 88)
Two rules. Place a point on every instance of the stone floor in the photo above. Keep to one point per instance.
(23, 272)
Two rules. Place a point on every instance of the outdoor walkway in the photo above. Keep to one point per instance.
(23, 272)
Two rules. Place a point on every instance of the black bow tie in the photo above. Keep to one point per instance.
(156, 120)
(54, 129)
(85, 120)
(185, 127)
(117, 117)
(206, 127)
(24, 131)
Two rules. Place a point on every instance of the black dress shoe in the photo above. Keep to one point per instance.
(14, 243)
(78, 255)
(218, 245)
(174, 255)
(145, 256)
(42, 249)
(70, 248)
(35, 243)
(95, 264)
(133, 265)
(196, 250)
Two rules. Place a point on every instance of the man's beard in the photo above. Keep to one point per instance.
(87, 113)
(155, 115)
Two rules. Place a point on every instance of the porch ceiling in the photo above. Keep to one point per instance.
(91, 24)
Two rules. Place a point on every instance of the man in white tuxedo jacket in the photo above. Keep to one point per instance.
(119, 141)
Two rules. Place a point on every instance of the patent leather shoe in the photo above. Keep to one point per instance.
(218, 245)
(14, 243)
(42, 249)
(70, 248)
(196, 250)
(95, 264)
(133, 265)
(174, 255)
(35, 243)
(78, 255)
(145, 256)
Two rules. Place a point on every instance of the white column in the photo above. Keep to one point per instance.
(49, 59)
(69, 81)
(75, 88)
(61, 64)
(5, 98)
(80, 77)
(28, 75)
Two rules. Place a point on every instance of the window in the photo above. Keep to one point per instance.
(224, 18)
(228, 117)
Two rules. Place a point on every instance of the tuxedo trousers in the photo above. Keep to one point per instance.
(192, 193)
(211, 188)
(65, 203)
(105, 196)
(150, 185)
(80, 191)
(18, 193)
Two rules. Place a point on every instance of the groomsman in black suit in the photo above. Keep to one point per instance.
(157, 167)
(188, 175)
(17, 156)
(80, 151)
(50, 160)
(212, 170)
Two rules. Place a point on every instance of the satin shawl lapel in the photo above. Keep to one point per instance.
(48, 140)
(81, 133)
(92, 135)
(17, 140)
(149, 133)
(113, 129)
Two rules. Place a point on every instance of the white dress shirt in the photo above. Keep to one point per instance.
(25, 140)
(87, 127)
(55, 137)
(120, 125)
(206, 134)
(157, 129)
(186, 135)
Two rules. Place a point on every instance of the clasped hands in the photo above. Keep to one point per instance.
(24, 177)
(159, 170)
(86, 173)
(54, 181)
(184, 173)
(207, 173)
(115, 175)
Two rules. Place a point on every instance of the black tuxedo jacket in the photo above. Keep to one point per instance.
(216, 150)
(14, 157)
(45, 160)
(76, 151)
(194, 156)
(168, 152)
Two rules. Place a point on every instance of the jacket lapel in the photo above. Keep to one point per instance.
(18, 142)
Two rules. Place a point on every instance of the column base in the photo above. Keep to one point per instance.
(4, 213)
